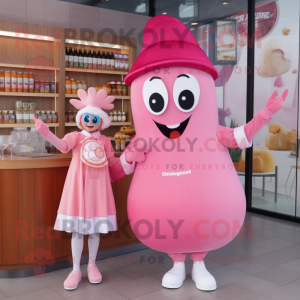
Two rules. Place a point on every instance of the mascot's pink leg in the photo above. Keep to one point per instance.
(175, 277)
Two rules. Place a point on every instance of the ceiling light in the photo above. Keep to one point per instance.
(89, 43)
(164, 13)
(225, 2)
(27, 36)
(195, 23)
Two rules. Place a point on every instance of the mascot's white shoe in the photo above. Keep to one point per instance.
(174, 278)
(203, 279)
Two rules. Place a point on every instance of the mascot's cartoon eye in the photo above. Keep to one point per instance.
(155, 95)
(96, 120)
(186, 92)
(86, 118)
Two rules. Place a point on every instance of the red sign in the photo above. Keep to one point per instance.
(265, 19)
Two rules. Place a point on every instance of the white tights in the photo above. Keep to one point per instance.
(77, 247)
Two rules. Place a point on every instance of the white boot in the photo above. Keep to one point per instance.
(174, 278)
(203, 279)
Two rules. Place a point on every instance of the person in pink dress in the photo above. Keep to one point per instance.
(87, 204)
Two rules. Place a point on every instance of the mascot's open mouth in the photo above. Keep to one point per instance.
(173, 131)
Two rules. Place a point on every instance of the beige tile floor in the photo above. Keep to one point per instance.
(260, 267)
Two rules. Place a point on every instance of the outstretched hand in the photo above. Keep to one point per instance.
(41, 127)
(135, 152)
(274, 104)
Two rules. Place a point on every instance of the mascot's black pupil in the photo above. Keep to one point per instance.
(186, 99)
(156, 102)
(86, 119)
(94, 120)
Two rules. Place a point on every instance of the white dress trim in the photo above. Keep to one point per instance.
(86, 226)
(240, 137)
(96, 134)
(128, 168)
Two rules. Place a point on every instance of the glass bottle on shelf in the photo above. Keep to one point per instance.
(2, 81)
(74, 86)
(79, 84)
(54, 117)
(103, 61)
(68, 84)
(119, 116)
(71, 58)
(53, 86)
(75, 55)
(42, 86)
(117, 62)
(36, 86)
(123, 116)
(90, 60)
(31, 82)
(112, 61)
(126, 63)
(99, 61)
(13, 81)
(108, 65)
(85, 59)
(44, 116)
(95, 62)
(7, 81)
(47, 86)
(5, 117)
(67, 58)
(20, 82)
(12, 117)
(84, 85)
(122, 62)
(25, 82)
(80, 59)
(39, 115)
(49, 116)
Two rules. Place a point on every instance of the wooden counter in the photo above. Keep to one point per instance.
(22, 162)
(31, 189)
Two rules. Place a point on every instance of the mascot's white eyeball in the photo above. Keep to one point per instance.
(155, 95)
(186, 92)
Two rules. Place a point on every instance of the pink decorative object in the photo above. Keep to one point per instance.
(278, 82)
(93, 98)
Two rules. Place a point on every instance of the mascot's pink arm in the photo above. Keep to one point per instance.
(64, 145)
(226, 135)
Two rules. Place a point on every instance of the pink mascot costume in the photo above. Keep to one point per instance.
(87, 205)
(185, 195)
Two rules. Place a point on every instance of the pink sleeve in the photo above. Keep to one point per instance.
(64, 145)
(226, 137)
(255, 125)
(116, 170)
(242, 136)
(70, 141)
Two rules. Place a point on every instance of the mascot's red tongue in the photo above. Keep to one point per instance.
(174, 134)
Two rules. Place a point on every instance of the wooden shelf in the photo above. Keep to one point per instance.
(25, 125)
(14, 94)
(115, 96)
(28, 67)
(111, 124)
(80, 71)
